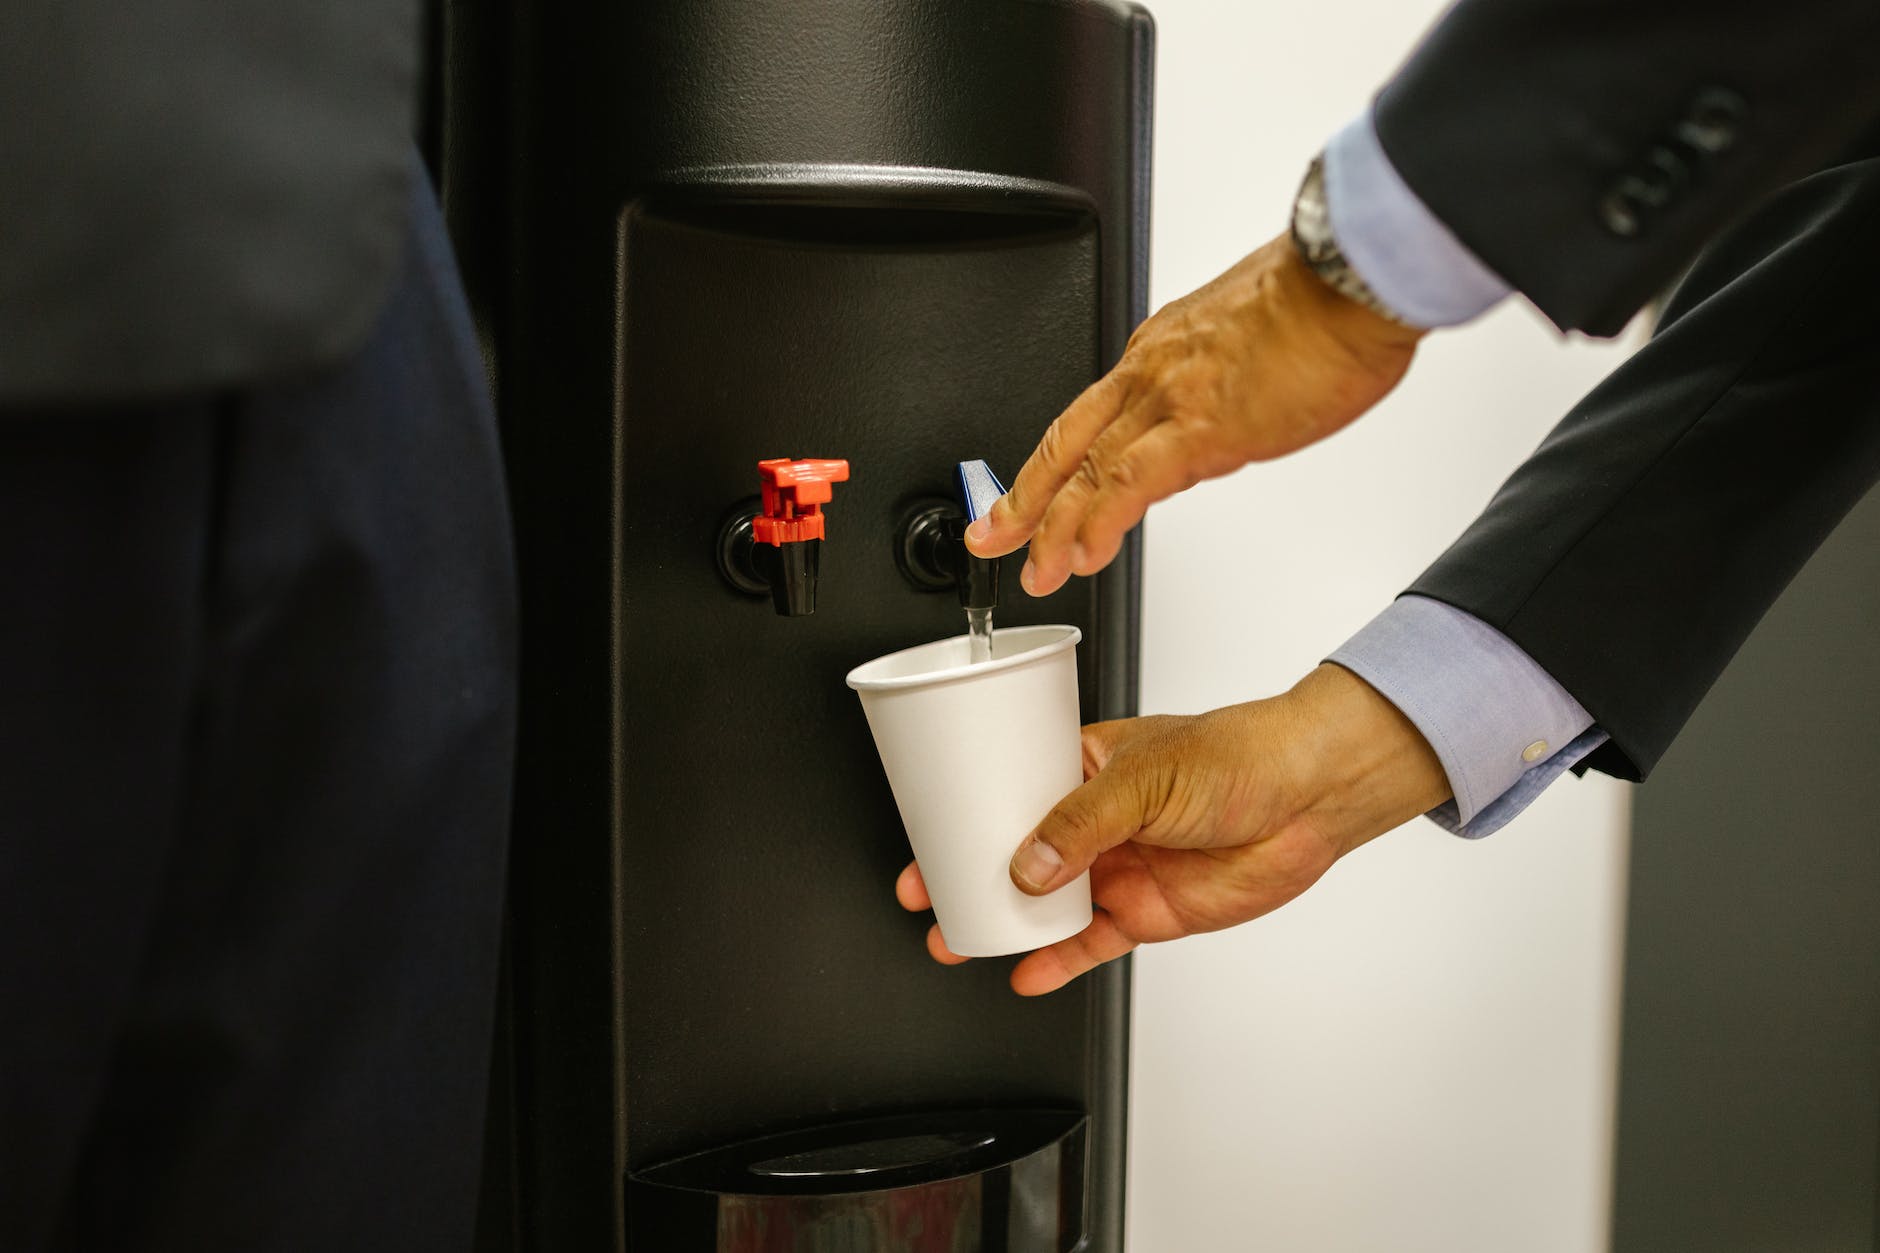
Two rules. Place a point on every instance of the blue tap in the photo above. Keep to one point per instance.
(979, 487)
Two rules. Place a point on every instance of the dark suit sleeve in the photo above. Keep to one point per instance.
(1586, 149)
(1634, 552)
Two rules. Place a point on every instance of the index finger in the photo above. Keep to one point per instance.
(1015, 515)
(911, 890)
(1050, 968)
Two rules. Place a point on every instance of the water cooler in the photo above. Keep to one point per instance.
(898, 233)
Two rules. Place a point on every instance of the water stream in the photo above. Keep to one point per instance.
(978, 635)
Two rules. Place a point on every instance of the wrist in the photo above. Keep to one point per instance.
(1363, 767)
(1354, 324)
(1317, 246)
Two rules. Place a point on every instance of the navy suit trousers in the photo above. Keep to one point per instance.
(256, 727)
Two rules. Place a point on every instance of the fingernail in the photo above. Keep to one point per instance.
(1037, 865)
(1027, 577)
(980, 528)
(1077, 558)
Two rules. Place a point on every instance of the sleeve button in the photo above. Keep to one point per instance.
(1619, 213)
(1711, 124)
(1671, 170)
(1534, 752)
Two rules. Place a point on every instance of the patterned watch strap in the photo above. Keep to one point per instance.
(1318, 247)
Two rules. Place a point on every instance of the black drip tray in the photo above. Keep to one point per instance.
(977, 1181)
(874, 1157)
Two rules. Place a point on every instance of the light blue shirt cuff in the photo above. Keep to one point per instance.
(1410, 260)
(1501, 726)
(1503, 810)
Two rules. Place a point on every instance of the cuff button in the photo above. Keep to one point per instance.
(1534, 752)
(1620, 214)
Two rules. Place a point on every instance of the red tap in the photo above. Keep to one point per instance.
(794, 494)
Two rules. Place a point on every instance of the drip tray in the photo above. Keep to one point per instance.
(874, 1157)
(961, 1181)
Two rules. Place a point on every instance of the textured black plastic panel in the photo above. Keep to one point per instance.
(759, 840)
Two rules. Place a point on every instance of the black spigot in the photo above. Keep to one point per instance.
(931, 548)
(774, 544)
(787, 573)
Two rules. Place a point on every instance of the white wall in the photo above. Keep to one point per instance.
(1419, 1054)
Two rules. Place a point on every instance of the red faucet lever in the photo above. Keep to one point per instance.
(794, 494)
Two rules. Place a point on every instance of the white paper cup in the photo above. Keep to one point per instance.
(977, 755)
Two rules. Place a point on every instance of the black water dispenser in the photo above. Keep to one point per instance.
(702, 235)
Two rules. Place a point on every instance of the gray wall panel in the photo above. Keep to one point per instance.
(1749, 1105)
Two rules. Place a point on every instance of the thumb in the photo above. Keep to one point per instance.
(1106, 811)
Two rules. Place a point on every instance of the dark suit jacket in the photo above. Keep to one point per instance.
(1586, 150)
(196, 193)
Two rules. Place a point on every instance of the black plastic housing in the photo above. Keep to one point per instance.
(792, 572)
(697, 234)
(930, 548)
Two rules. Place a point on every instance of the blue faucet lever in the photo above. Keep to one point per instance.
(979, 487)
(978, 576)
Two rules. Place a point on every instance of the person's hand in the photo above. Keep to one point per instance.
(1191, 824)
(1264, 360)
